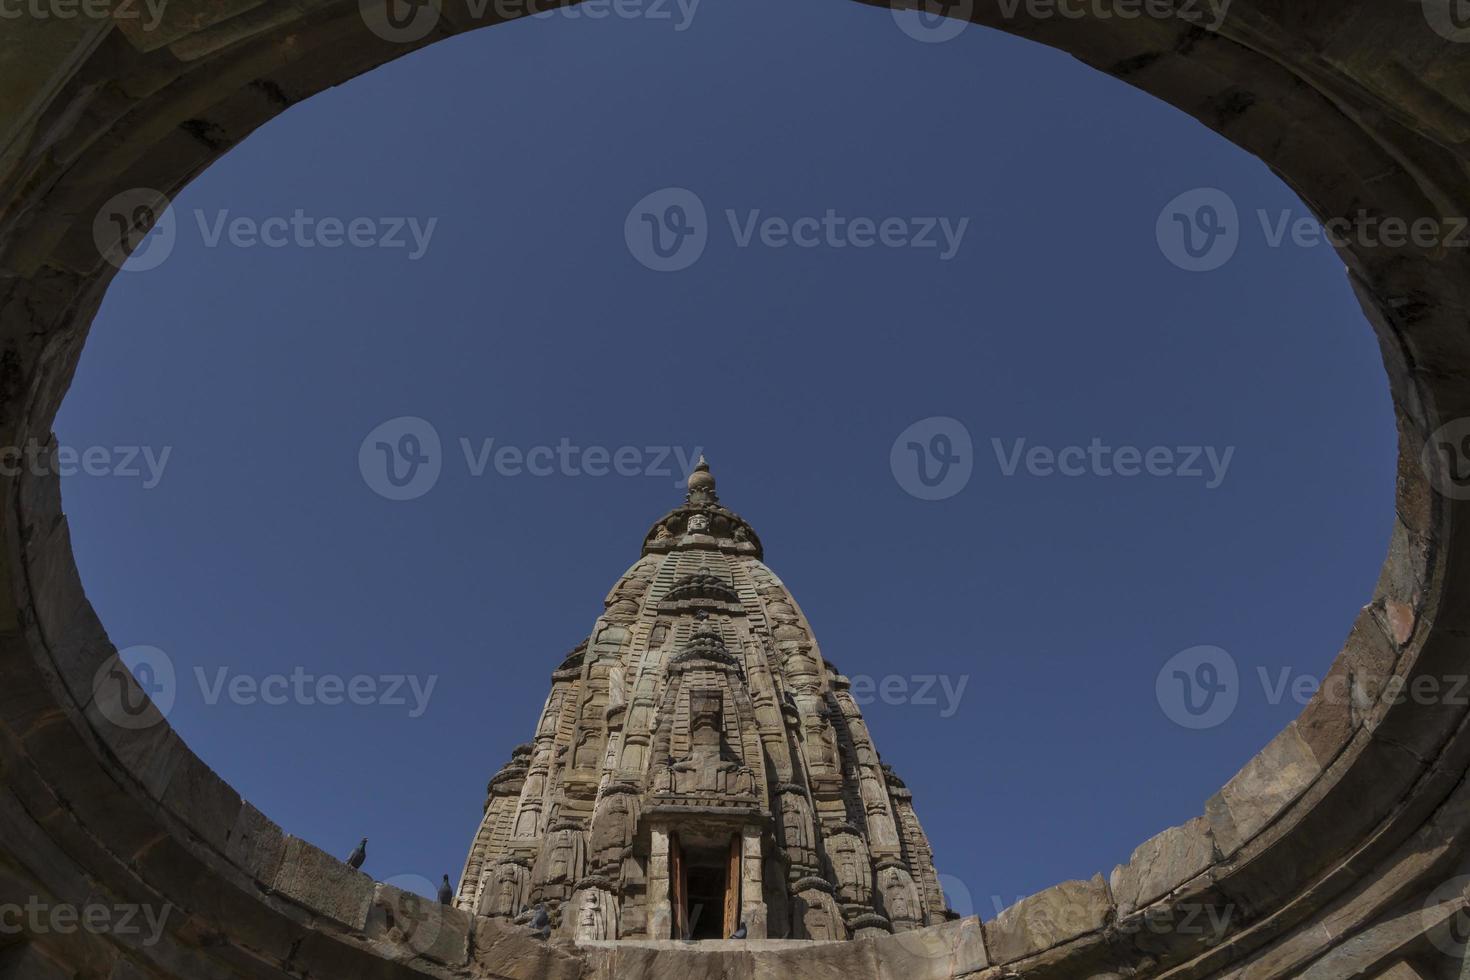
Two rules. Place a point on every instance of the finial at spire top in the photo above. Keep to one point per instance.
(701, 480)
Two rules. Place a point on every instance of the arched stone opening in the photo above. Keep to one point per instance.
(1336, 850)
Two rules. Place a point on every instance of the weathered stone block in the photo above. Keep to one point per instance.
(315, 879)
(950, 949)
(256, 844)
(504, 950)
(1048, 919)
(1161, 864)
(208, 804)
(406, 925)
(1267, 784)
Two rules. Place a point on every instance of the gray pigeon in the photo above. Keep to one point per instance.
(446, 894)
(358, 856)
(540, 921)
(739, 933)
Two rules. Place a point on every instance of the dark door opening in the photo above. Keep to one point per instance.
(706, 897)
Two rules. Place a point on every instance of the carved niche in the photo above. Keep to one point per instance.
(798, 835)
(596, 910)
(561, 863)
(507, 889)
(614, 825)
(814, 913)
(900, 897)
(851, 866)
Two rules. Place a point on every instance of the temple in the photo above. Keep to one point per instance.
(699, 766)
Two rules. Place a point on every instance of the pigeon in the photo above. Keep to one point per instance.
(446, 894)
(739, 933)
(358, 856)
(541, 922)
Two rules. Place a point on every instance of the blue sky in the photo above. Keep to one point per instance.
(1061, 320)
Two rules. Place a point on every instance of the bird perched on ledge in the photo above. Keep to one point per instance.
(739, 933)
(359, 855)
(446, 894)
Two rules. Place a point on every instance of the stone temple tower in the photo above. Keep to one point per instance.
(698, 764)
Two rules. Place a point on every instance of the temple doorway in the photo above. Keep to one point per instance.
(706, 890)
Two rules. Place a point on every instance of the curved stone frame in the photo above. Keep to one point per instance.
(1335, 852)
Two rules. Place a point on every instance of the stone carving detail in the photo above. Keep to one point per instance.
(798, 834)
(562, 862)
(900, 897)
(613, 828)
(851, 866)
(814, 911)
(508, 890)
(596, 910)
(700, 728)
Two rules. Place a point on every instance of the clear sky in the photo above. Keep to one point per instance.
(1014, 631)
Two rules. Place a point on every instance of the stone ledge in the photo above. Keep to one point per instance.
(313, 878)
(1049, 918)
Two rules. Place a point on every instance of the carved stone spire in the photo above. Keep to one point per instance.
(697, 751)
(702, 522)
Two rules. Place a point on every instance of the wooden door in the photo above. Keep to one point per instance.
(732, 888)
(678, 887)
